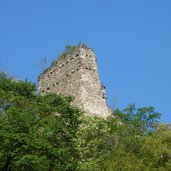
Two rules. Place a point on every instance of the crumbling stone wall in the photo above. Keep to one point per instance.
(76, 74)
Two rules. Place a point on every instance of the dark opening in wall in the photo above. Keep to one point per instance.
(48, 88)
(76, 55)
(50, 72)
(86, 54)
(43, 91)
(54, 85)
(57, 83)
(90, 55)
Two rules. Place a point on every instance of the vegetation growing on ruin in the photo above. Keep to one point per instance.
(68, 50)
(43, 133)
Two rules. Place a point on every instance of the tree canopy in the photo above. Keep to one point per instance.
(45, 132)
(37, 132)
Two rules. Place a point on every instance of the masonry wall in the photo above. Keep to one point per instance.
(77, 75)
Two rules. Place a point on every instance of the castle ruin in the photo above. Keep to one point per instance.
(76, 74)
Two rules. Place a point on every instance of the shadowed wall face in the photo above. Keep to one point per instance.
(76, 74)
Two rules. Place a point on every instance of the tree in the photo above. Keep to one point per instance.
(156, 149)
(139, 142)
(35, 129)
(45, 132)
(90, 143)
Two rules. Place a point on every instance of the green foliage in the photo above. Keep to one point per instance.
(90, 143)
(42, 133)
(143, 120)
(156, 149)
(140, 142)
(37, 132)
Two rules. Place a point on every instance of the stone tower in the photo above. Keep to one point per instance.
(76, 74)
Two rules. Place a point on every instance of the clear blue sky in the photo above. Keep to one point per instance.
(131, 39)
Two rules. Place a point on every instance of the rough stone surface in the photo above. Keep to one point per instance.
(76, 74)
